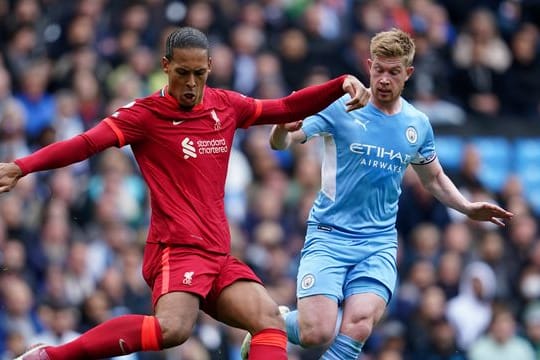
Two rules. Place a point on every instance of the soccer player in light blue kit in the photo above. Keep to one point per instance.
(349, 258)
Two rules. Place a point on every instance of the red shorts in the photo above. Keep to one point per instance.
(169, 269)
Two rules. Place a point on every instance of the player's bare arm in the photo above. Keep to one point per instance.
(283, 135)
(439, 185)
(10, 173)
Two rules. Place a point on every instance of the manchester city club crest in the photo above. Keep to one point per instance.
(308, 281)
(411, 134)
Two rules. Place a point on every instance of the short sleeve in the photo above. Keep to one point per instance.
(322, 123)
(247, 109)
(128, 122)
(426, 152)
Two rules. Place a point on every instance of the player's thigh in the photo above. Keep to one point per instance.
(365, 308)
(247, 305)
(360, 314)
(317, 313)
(177, 314)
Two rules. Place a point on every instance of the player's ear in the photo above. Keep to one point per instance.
(165, 64)
(209, 64)
(409, 70)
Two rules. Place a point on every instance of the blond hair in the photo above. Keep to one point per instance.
(391, 44)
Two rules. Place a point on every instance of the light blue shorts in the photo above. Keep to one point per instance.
(338, 265)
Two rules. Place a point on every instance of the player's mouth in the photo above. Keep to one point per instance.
(384, 92)
(189, 98)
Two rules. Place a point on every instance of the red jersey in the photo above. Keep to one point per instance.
(183, 155)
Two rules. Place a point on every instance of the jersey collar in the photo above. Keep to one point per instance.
(165, 93)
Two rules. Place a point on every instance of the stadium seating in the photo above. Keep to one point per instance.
(449, 151)
(526, 164)
(496, 159)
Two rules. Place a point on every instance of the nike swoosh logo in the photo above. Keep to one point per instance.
(177, 122)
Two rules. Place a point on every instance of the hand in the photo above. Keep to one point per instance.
(291, 126)
(483, 211)
(10, 173)
(360, 95)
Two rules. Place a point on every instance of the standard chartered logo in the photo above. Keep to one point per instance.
(203, 147)
(188, 149)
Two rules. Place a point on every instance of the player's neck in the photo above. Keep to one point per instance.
(388, 108)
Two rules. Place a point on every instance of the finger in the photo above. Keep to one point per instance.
(351, 90)
(497, 222)
(353, 107)
(503, 214)
(353, 99)
(353, 104)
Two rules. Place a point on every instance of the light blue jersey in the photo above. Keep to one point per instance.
(351, 226)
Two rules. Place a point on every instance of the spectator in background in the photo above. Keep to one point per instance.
(467, 176)
(417, 205)
(481, 56)
(21, 51)
(17, 314)
(502, 341)
(246, 41)
(39, 104)
(471, 310)
(443, 344)
(531, 320)
(60, 322)
(222, 67)
(480, 42)
(6, 92)
(449, 273)
(430, 86)
(493, 251)
(295, 57)
(67, 122)
(424, 243)
(357, 49)
(13, 120)
(424, 320)
(521, 91)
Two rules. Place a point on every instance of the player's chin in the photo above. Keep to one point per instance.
(187, 104)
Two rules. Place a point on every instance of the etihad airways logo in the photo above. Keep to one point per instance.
(380, 157)
(192, 149)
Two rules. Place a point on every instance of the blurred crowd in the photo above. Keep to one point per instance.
(72, 240)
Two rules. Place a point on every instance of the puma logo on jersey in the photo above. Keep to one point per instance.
(362, 124)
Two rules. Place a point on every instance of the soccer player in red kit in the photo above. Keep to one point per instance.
(181, 137)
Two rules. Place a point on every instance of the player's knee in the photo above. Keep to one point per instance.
(316, 334)
(359, 330)
(173, 332)
(269, 318)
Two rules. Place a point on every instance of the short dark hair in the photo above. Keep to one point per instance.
(185, 38)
